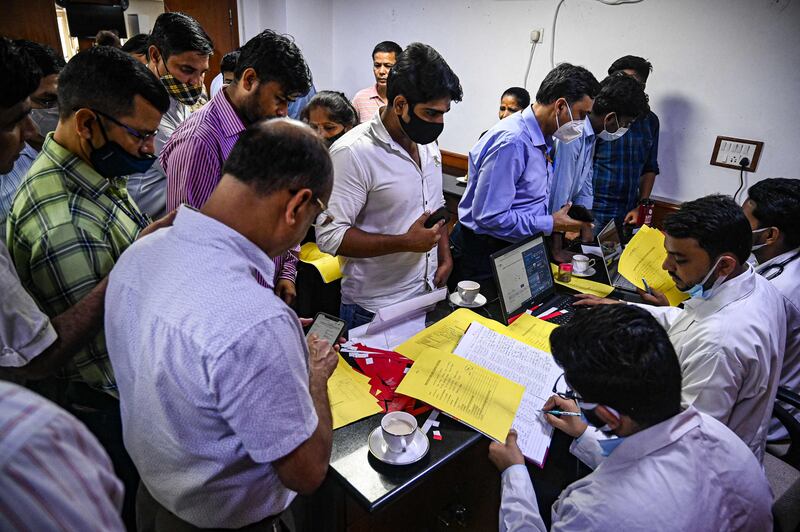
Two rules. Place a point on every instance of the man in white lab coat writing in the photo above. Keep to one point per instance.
(656, 466)
(773, 210)
(730, 336)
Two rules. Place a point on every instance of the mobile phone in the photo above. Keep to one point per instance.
(327, 327)
(439, 214)
(580, 213)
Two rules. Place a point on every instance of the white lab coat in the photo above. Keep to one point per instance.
(730, 348)
(788, 283)
(689, 472)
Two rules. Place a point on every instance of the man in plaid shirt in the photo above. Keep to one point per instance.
(72, 218)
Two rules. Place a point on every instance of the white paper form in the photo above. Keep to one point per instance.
(400, 312)
(534, 369)
(389, 337)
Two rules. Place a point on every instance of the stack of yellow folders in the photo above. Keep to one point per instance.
(349, 397)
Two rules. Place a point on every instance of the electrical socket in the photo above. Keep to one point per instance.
(537, 36)
(729, 153)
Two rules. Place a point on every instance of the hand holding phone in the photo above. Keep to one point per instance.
(327, 327)
(439, 214)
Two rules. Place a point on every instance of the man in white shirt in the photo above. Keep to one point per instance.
(367, 101)
(239, 400)
(178, 54)
(387, 181)
(656, 467)
(773, 210)
(730, 336)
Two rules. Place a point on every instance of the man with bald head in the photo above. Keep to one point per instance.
(226, 361)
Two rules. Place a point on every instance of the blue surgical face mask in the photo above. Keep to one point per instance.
(112, 160)
(699, 291)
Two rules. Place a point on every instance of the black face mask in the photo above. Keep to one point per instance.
(419, 130)
(112, 160)
(329, 141)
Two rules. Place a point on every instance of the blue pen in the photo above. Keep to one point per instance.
(561, 413)
(647, 287)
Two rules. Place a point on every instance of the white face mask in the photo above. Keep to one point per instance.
(757, 231)
(569, 131)
(608, 136)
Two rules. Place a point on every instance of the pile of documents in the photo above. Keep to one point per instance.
(348, 393)
(642, 259)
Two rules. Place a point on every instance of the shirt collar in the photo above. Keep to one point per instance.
(534, 131)
(732, 290)
(78, 170)
(775, 260)
(652, 439)
(588, 129)
(374, 93)
(230, 122)
(195, 226)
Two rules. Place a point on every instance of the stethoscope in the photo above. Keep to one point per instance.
(779, 267)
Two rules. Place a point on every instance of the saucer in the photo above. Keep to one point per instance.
(415, 451)
(455, 299)
(588, 273)
(462, 180)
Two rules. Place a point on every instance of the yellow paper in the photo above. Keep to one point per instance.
(349, 396)
(330, 267)
(643, 257)
(480, 398)
(532, 331)
(445, 334)
(584, 286)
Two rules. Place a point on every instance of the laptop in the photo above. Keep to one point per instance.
(525, 282)
(611, 248)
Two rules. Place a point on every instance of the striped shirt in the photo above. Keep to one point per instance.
(193, 157)
(9, 183)
(67, 227)
(54, 475)
(367, 102)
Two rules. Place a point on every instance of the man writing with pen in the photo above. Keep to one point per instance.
(656, 466)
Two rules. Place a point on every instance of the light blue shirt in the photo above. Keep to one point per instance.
(509, 181)
(211, 370)
(9, 183)
(572, 170)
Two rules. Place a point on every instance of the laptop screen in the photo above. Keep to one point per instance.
(522, 273)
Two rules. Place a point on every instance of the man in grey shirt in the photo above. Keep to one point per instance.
(178, 54)
(216, 361)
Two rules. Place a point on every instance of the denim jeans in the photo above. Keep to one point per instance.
(355, 315)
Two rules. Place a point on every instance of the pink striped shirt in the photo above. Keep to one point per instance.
(193, 157)
(367, 102)
(54, 475)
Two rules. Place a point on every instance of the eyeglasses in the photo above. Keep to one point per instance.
(328, 216)
(568, 393)
(141, 137)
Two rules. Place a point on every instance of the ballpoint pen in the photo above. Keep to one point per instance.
(561, 413)
(647, 287)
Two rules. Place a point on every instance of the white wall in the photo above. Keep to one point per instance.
(148, 11)
(722, 67)
(308, 21)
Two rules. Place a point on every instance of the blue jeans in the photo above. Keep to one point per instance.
(355, 315)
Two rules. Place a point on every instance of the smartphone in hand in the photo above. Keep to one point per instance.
(327, 327)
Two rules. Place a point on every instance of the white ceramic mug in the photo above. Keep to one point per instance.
(468, 291)
(398, 430)
(581, 263)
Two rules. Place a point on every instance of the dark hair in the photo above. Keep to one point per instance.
(522, 96)
(623, 95)
(421, 75)
(281, 154)
(48, 61)
(716, 222)
(619, 356)
(107, 79)
(228, 63)
(175, 33)
(778, 205)
(137, 44)
(19, 74)
(277, 58)
(340, 110)
(107, 38)
(387, 47)
(640, 65)
(567, 81)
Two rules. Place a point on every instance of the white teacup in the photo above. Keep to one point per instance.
(581, 263)
(468, 291)
(398, 430)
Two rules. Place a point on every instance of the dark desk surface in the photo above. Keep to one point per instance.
(451, 186)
